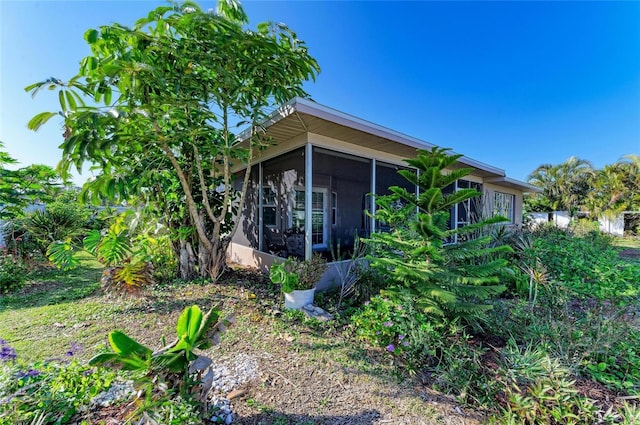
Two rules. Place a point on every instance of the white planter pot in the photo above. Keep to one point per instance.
(297, 299)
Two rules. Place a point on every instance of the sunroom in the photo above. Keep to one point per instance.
(311, 191)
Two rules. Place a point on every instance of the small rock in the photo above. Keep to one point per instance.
(317, 313)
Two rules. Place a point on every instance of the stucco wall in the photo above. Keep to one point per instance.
(489, 189)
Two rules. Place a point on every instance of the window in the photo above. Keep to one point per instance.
(269, 211)
(503, 204)
(334, 208)
(297, 216)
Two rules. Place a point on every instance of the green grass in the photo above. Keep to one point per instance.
(627, 242)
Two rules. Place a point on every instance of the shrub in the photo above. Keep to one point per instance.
(12, 273)
(60, 220)
(53, 390)
(439, 350)
(587, 265)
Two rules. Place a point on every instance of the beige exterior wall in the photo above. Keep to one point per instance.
(490, 188)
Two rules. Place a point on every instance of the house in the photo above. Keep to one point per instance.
(342, 163)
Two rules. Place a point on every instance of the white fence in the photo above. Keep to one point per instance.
(611, 225)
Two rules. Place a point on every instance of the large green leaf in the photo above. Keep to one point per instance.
(62, 254)
(126, 346)
(40, 119)
(189, 323)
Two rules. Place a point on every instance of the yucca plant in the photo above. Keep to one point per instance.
(451, 280)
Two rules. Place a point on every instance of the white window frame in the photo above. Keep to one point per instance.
(504, 205)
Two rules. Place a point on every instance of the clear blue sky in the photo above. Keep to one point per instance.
(512, 84)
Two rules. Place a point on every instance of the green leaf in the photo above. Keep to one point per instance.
(91, 36)
(126, 346)
(189, 323)
(92, 241)
(63, 103)
(36, 122)
(62, 255)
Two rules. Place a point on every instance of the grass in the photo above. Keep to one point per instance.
(310, 371)
(58, 309)
(627, 242)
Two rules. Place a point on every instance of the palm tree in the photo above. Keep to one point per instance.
(565, 186)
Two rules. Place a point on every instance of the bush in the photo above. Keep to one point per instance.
(587, 265)
(59, 221)
(53, 390)
(13, 273)
(439, 350)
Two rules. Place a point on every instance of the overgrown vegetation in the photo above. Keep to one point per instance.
(163, 126)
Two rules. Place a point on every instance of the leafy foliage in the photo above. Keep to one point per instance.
(12, 273)
(53, 391)
(588, 265)
(21, 187)
(169, 94)
(539, 391)
(127, 259)
(61, 219)
(451, 280)
(175, 365)
(575, 185)
(294, 274)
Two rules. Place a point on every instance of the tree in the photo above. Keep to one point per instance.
(169, 93)
(565, 186)
(450, 280)
(23, 186)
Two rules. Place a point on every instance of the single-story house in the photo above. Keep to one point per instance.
(311, 189)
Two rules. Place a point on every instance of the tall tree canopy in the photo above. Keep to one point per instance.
(564, 186)
(156, 107)
(22, 186)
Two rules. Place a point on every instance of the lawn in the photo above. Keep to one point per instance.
(574, 350)
(306, 372)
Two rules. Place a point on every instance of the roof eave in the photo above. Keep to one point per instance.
(514, 184)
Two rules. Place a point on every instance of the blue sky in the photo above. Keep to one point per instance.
(512, 84)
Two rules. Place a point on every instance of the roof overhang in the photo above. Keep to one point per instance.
(299, 116)
(513, 184)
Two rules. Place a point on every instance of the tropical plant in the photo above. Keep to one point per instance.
(13, 273)
(451, 280)
(175, 365)
(168, 94)
(293, 274)
(49, 392)
(564, 186)
(538, 390)
(61, 219)
(23, 186)
(127, 261)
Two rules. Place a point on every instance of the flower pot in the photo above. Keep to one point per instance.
(299, 298)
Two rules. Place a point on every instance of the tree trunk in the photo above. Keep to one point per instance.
(218, 259)
(187, 260)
